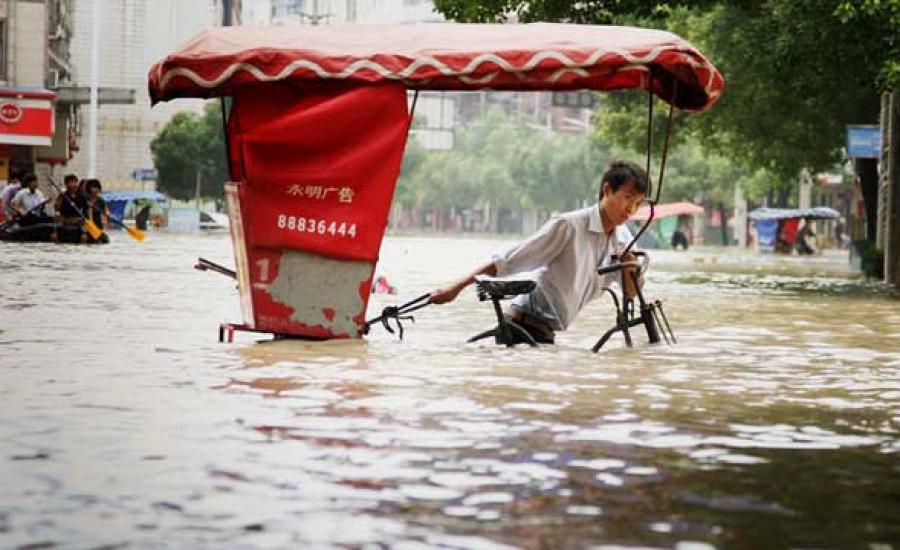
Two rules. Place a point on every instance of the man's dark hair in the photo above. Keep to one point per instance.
(70, 177)
(619, 172)
(28, 178)
(92, 183)
(15, 175)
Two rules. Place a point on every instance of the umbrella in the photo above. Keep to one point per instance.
(815, 213)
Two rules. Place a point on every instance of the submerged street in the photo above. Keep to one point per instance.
(774, 422)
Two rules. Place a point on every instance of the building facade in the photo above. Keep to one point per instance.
(36, 124)
(134, 34)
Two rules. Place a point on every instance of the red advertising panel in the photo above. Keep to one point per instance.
(26, 121)
(317, 175)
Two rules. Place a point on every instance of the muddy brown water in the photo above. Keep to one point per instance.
(772, 423)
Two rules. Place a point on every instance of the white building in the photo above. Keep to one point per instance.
(283, 12)
(134, 34)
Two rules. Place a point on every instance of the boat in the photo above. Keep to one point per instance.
(43, 233)
(214, 221)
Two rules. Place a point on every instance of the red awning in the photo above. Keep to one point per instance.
(445, 56)
(27, 116)
(669, 209)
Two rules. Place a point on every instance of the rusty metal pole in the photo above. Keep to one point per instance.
(890, 186)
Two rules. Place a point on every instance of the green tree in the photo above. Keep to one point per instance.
(510, 162)
(189, 143)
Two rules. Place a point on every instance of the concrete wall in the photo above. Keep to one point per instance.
(28, 37)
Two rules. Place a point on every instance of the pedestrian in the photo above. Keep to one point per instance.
(679, 239)
(27, 199)
(70, 212)
(839, 233)
(15, 183)
(565, 254)
(806, 239)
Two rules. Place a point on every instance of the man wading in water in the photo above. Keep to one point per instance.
(565, 254)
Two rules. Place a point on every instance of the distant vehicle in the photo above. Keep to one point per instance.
(317, 121)
(214, 221)
(140, 204)
(777, 228)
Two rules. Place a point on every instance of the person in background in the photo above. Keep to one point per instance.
(70, 212)
(839, 233)
(565, 254)
(3, 186)
(9, 192)
(96, 209)
(27, 200)
(806, 239)
(679, 239)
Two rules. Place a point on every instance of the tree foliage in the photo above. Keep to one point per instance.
(583, 12)
(511, 163)
(189, 143)
(797, 71)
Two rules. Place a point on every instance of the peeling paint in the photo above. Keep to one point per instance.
(322, 291)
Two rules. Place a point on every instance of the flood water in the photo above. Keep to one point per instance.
(773, 423)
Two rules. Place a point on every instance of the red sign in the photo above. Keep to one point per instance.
(27, 122)
(317, 176)
(10, 113)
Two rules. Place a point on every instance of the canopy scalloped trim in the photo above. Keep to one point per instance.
(219, 60)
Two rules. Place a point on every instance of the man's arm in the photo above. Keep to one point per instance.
(16, 204)
(449, 292)
(534, 252)
(57, 208)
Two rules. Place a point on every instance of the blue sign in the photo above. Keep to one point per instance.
(863, 142)
(143, 174)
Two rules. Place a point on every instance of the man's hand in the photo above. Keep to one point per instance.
(447, 293)
(629, 289)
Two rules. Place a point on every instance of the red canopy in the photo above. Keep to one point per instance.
(668, 209)
(444, 56)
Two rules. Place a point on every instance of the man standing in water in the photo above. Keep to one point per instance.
(565, 254)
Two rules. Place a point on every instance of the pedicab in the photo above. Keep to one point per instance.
(316, 120)
(776, 228)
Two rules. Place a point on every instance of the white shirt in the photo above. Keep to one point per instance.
(564, 256)
(27, 200)
(9, 192)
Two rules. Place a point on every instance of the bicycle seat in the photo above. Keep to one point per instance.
(498, 288)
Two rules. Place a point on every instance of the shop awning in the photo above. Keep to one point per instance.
(27, 116)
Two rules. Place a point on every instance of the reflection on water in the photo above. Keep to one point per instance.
(774, 421)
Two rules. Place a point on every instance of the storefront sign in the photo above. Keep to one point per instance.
(10, 113)
(27, 117)
(863, 142)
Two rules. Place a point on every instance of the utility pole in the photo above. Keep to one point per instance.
(314, 18)
(197, 189)
(95, 68)
(227, 12)
(889, 192)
